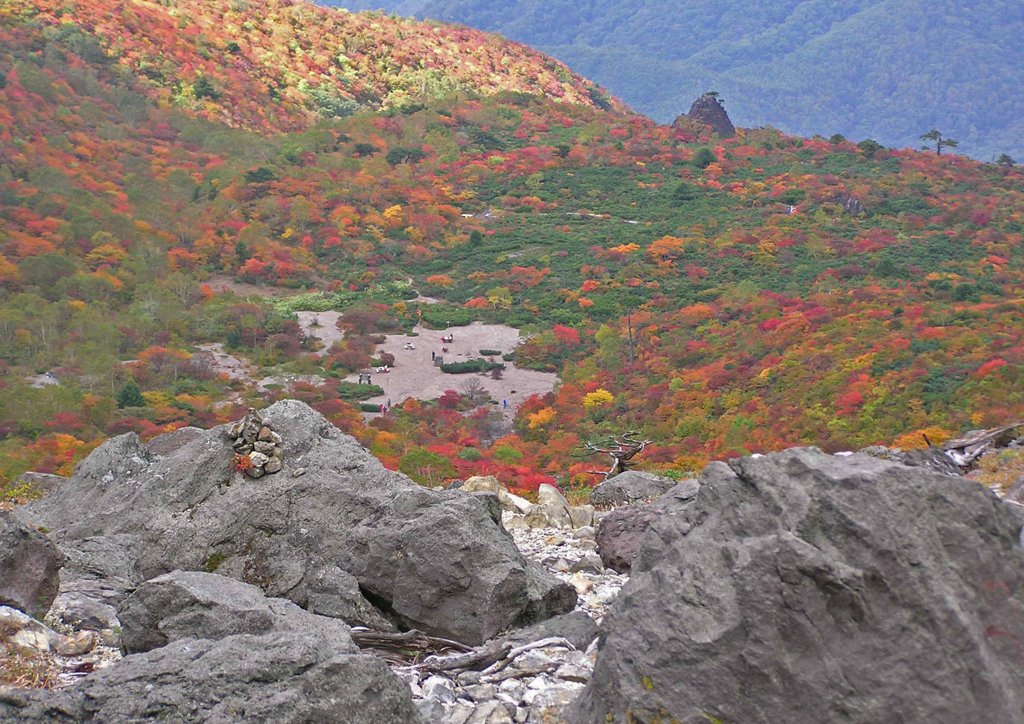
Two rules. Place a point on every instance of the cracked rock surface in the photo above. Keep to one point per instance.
(807, 588)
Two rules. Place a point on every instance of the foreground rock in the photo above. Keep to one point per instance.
(432, 560)
(629, 487)
(29, 567)
(217, 650)
(241, 678)
(188, 604)
(800, 587)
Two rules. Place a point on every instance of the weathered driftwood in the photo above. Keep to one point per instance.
(965, 450)
(425, 654)
(476, 660)
(956, 457)
(404, 648)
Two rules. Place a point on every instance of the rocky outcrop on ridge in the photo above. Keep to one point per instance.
(334, 531)
(804, 587)
(29, 567)
(708, 110)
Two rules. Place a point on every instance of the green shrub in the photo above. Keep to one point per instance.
(507, 454)
(490, 352)
(353, 391)
(473, 365)
(469, 454)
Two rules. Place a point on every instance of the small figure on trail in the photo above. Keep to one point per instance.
(389, 403)
(382, 408)
(360, 379)
(368, 380)
(433, 355)
(504, 404)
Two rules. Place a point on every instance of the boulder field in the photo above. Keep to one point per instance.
(333, 531)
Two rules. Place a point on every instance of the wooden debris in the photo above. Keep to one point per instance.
(965, 450)
(410, 647)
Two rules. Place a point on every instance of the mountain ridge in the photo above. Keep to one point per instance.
(885, 69)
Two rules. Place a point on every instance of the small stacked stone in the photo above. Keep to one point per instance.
(254, 437)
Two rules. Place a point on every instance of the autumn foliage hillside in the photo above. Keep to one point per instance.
(719, 297)
(278, 65)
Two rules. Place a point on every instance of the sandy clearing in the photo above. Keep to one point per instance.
(41, 381)
(414, 374)
(328, 332)
(235, 368)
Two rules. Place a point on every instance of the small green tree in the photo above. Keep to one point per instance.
(684, 192)
(940, 142)
(130, 396)
(870, 147)
(203, 88)
(704, 157)
(1005, 160)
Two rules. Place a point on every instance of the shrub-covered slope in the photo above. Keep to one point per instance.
(716, 297)
(280, 65)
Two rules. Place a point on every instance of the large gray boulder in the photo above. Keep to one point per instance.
(804, 588)
(632, 486)
(433, 560)
(193, 604)
(29, 567)
(233, 680)
(619, 532)
(98, 574)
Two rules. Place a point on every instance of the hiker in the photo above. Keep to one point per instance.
(433, 355)
(504, 404)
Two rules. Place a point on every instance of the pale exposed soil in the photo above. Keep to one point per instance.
(224, 283)
(327, 332)
(235, 368)
(414, 374)
(41, 381)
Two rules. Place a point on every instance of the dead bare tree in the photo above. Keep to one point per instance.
(472, 389)
(620, 449)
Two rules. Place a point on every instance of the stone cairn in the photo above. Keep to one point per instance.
(255, 439)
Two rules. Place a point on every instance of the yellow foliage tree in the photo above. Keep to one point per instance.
(915, 440)
(541, 418)
(598, 397)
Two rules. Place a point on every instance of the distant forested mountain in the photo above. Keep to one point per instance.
(885, 69)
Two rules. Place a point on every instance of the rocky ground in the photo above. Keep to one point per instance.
(532, 684)
(544, 675)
